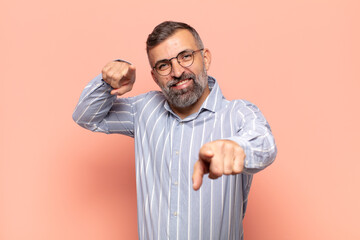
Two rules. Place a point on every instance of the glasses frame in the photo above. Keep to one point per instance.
(169, 60)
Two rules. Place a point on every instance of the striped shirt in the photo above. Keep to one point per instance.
(166, 149)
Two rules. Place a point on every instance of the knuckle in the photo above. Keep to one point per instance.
(221, 143)
(228, 168)
(110, 74)
(239, 167)
(228, 147)
(116, 76)
(237, 170)
(239, 151)
(216, 171)
(203, 148)
(105, 69)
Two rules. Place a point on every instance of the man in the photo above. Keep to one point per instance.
(181, 133)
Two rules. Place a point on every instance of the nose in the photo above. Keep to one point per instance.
(176, 69)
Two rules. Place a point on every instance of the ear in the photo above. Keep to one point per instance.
(207, 58)
(153, 76)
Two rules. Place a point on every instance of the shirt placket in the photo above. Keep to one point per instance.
(174, 189)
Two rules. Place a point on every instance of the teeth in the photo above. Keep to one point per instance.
(182, 82)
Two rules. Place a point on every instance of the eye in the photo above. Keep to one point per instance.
(161, 66)
(186, 56)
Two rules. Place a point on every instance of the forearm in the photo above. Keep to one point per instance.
(94, 104)
(256, 139)
(260, 151)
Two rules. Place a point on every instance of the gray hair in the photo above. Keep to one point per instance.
(166, 29)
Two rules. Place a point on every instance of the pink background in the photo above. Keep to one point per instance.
(297, 60)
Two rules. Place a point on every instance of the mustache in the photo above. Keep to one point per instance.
(183, 76)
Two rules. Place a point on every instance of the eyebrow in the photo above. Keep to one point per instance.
(167, 59)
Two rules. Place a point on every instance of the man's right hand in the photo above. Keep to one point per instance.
(120, 76)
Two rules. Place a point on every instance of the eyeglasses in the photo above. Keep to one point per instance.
(184, 58)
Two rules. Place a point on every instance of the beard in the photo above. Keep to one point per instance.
(182, 98)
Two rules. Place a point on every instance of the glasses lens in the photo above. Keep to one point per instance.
(163, 68)
(186, 58)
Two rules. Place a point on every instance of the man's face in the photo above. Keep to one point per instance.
(184, 86)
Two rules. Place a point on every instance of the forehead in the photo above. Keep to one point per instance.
(178, 42)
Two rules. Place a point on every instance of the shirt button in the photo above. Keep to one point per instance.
(175, 213)
(177, 153)
(176, 183)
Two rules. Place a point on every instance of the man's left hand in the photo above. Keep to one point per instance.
(220, 157)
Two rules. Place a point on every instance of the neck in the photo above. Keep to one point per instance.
(187, 111)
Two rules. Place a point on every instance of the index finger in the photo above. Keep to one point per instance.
(199, 171)
(209, 153)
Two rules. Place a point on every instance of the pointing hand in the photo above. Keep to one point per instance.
(220, 157)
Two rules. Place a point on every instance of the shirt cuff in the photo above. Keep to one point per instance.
(249, 166)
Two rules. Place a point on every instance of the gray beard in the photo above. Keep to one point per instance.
(185, 97)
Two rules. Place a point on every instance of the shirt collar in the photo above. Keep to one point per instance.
(212, 102)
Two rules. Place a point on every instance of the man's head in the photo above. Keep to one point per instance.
(177, 48)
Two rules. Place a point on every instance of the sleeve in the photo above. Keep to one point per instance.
(255, 137)
(100, 111)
